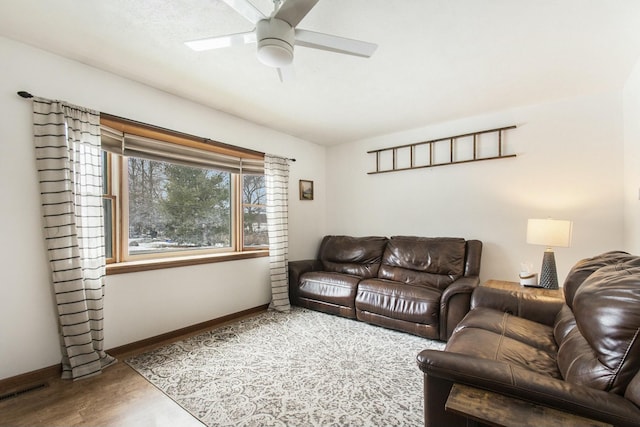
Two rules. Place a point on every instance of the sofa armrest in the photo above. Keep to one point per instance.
(455, 303)
(503, 378)
(297, 269)
(538, 308)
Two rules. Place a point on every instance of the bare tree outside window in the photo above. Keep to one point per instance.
(254, 199)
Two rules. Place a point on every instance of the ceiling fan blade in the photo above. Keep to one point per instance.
(292, 11)
(222, 41)
(286, 74)
(246, 9)
(332, 43)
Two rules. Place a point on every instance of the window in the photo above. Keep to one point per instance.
(254, 211)
(175, 208)
(170, 199)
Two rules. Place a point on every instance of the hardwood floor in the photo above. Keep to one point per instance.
(117, 397)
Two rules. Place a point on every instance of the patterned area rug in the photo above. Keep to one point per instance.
(302, 368)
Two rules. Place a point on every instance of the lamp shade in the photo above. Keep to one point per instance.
(549, 232)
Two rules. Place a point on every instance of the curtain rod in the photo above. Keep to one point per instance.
(27, 95)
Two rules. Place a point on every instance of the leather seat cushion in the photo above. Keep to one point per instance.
(416, 304)
(492, 345)
(335, 288)
(517, 328)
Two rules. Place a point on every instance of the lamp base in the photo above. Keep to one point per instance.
(549, 275)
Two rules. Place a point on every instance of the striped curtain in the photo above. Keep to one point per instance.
(68, 158)
(276, 174)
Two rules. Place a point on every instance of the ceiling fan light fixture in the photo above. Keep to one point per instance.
(277, 35)
(275, 53)
(275, 42)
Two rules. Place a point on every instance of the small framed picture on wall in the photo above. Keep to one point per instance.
(306, 190)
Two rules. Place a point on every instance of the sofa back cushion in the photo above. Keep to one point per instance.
(586, 267)
(426, 261)
(359, 256)
(602, 351)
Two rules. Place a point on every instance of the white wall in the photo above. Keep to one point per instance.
(631, 97)
(138, 305)
(568, 166)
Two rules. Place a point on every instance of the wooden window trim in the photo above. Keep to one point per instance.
(162, 134)
(160, 263)
(238, 252)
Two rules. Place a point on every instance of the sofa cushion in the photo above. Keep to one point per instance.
(586, 267)
(603, 350)
(423, 261)
(487, 344)
(359, 256)
(415, 304)
(520, 329)
(493, 334)
(335, 288)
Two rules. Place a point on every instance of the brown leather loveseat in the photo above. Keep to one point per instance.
(418, 285)
(580, 356)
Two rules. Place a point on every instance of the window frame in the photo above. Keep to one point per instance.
(108, 194)
(117, 192)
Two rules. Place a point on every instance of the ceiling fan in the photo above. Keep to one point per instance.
(277, 34)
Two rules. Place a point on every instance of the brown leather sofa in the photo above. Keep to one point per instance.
(579, 356)
(418, 285)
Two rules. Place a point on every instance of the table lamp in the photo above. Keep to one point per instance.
(549, 232)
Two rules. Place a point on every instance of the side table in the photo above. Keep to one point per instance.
(515, 286)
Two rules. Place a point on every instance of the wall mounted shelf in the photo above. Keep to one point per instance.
(451, 150)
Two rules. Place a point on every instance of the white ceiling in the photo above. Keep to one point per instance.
(436, 59)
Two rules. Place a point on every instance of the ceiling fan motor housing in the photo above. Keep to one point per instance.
(275, 42)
